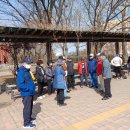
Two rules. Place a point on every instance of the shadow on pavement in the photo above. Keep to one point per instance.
(36, 109)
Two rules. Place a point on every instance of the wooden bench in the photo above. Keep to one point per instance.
(9, 88)
(15, 94)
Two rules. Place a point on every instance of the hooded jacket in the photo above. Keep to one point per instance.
(80, 68)
(25, 82)
(59, 81)
(92, 65)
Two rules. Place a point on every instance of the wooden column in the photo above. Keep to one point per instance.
(49, 51)
(88, 49)
(117, 47)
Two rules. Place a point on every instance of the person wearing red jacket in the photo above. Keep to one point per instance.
(83, 71)
(99, 73)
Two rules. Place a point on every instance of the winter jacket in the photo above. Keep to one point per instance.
(49, 73)
(92, 65)
(70, 68)
(99, 67)
(106, 69)
(25, 82)
(80, 68)
(116, 61)
(59, 81)
(39, 74)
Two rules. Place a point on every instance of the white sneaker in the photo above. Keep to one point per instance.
(40, 97)
(34, 102)
(43, 96)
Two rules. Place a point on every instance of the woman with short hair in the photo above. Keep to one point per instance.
(40, 78)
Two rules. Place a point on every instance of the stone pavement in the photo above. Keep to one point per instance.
(84, 111)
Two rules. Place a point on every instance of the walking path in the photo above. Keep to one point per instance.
(84, 111)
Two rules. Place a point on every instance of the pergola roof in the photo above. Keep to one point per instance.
(15, 34)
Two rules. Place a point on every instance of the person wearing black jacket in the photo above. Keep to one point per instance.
(70, 74)
(40, 78)
(49, 76)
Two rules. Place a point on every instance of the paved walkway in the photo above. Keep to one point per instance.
(84, 111)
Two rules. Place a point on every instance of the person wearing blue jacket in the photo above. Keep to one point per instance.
(59, 82)
(27, 90)
(92, 68)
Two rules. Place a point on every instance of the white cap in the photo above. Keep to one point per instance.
(98, 54)
(91, 55)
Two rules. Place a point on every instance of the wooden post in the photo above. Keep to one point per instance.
(49, 51)
(117, 47)
(88, 49)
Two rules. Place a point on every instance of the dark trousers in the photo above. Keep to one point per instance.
(60, 96)
(107, 85)
(70, 81)
(94, 80)
(27, 110)
(50, 88)
(82, 77)
(118, 71)
(40, 88)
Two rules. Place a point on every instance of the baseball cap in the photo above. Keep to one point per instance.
(98, 54)
(91, 55)
(102, 54)
(27, 60)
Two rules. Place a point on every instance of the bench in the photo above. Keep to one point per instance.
(9, 88)
(15, 94)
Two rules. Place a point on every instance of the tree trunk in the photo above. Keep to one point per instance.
(124, 52)
(49, 51)
(66, 50)
(117, 47)
(88, 44)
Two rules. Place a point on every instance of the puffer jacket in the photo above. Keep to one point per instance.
(59, 81)
(92, 65)
(25, 82)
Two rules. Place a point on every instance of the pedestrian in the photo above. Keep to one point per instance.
(107, 75)
(99, 73)
(49, 71)
(128, 65)
(27, 90)
(117, 63)
(40, 73)
(92, 68)
(66, 73)
(83, 71)
(59, 82)
(70, 74)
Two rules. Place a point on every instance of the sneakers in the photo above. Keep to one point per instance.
(105, 98)
(34, 102)
(30, 126)
(33, 119)
(64, 104)
(81, 86)
(41, 97)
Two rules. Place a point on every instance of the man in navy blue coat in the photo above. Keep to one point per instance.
(92, 68)
(27, 91)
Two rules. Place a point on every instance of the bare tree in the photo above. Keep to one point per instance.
(101, 15)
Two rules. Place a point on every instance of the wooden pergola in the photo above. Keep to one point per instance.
(34, 35)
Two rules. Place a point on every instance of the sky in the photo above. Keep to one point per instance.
(71, 48)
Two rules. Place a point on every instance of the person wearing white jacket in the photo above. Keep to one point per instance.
(117, 63)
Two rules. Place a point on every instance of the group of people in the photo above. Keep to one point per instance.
(60, 78)
(98, 70)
